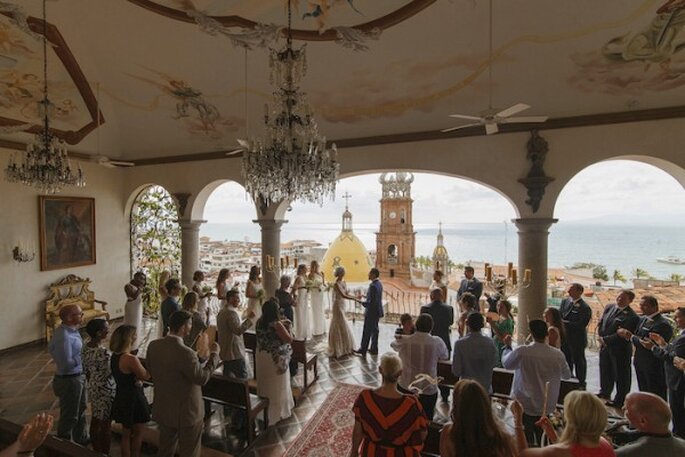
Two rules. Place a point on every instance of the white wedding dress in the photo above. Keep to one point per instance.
(340, 337)
(133, 315)
(255, 304)
(316, 296)
(302, 329)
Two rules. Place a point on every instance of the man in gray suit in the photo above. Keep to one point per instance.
(231, 331)
(178, 374)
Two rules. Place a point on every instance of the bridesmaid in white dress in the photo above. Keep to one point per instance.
(254, 291)
(203, 304)
(300, 294)
(222, 285)
(133, 309)
(340, 337)
(316, 298)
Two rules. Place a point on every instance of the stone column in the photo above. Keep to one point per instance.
(271, 246)
(190, 249)
(532, 300)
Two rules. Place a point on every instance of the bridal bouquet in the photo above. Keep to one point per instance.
(206, 289)
(314, 284)
(261, 294)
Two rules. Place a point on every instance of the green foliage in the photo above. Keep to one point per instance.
(600, 272)
(155, 240)
(640, 273)
(676, 277)
(618, 276)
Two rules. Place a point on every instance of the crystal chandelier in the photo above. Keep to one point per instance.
(292, 161)
(45, 163)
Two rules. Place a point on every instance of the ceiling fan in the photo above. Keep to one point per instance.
(493, 117)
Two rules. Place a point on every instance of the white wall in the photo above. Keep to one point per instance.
(24, 286)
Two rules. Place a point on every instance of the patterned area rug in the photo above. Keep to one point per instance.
(329, 432)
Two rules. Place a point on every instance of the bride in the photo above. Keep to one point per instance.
(340, 338)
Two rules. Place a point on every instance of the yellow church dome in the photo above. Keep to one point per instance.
(347, 251)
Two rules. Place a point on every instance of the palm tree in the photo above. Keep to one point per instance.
(676, 277)
(640, 273)
(618, 276)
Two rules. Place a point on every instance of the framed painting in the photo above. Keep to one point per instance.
(67, 232)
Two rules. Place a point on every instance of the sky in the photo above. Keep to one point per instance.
(612, 193)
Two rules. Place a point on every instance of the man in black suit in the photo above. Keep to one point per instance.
(443, 318)
(615, 352)
(576, 315)
(373, 311)
(470, 284)
(648, 368)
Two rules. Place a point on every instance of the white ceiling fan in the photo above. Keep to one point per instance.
(493, 117)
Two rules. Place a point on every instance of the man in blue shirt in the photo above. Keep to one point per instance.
(475, 355)
(69, 381)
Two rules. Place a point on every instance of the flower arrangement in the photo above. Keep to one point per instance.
(207, 289)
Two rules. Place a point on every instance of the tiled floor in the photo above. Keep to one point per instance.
(26, 374)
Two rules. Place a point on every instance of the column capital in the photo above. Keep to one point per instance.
(534, 224)
(270, 224)
(188, 224)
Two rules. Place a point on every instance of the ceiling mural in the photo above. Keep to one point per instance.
(21, 81)
(647, 57)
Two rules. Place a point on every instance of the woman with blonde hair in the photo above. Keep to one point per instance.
(586, 418)
(340, 336)
(474, 431)
(377, 431)
(130, 408)
(316, 298)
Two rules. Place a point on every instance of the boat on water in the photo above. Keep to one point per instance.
(672, 260)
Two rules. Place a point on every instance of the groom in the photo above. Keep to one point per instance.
(373, 312)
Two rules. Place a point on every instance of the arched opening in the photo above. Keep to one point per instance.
(155, 239)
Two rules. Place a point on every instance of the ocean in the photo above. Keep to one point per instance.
(622, 248)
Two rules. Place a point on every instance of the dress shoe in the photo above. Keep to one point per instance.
(359, 353)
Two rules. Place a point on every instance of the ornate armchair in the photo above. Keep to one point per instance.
(71, 290)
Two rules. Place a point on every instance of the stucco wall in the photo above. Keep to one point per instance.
(24, 286)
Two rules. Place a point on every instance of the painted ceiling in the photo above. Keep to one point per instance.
(174, 77)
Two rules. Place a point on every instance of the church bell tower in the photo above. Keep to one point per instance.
(395, 241)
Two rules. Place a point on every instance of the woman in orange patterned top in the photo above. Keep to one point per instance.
(388, 423)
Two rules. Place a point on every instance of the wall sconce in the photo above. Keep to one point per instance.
(22, 254)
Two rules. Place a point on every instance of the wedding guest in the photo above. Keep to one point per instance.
(474, 431)
(274, 352)
(230, 331)
(470, 284)
(32, 435)
(439, 283)
(420, 354)
(302, 329)
(475, 355)
(502, 327)
(585, 419)
(199, 325)
(130, 407)
(649, 370)
(68, 383)
(467, 305)
(316, 295)
(164, 276)
(443, 318)
(674, 377)
(203, 295)
(178, 373)
(535, 365)
(285, 298)
(555, 327)
(615, 352)
(100, 384)
(254, 291)
(576, 315)
(650, 416)
(406, 326)
(377, 432)
(133, 309)
(222, 285)
(170, 304)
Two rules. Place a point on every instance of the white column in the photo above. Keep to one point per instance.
(190, 249)
(271, 246)
(532, 300)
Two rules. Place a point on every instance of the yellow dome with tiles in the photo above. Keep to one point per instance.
(349, 252)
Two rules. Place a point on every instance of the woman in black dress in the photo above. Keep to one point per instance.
(130, 408)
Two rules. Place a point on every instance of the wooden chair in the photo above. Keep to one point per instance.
(501, 383)
(431, 446)
(308, 360)
(250, 341)
(69, 291)
(51, 447)
(445, 372)
(235, 393)
(567, 386)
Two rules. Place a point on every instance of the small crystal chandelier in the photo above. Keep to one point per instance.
(292, 162)
(45, 163)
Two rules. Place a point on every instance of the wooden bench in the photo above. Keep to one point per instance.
(431, 445)
(567, 386)
(501, 383)
(51, 447)
(72, 290)
(445, 372)
(308, 360)
(235, 393)
(250, 341)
